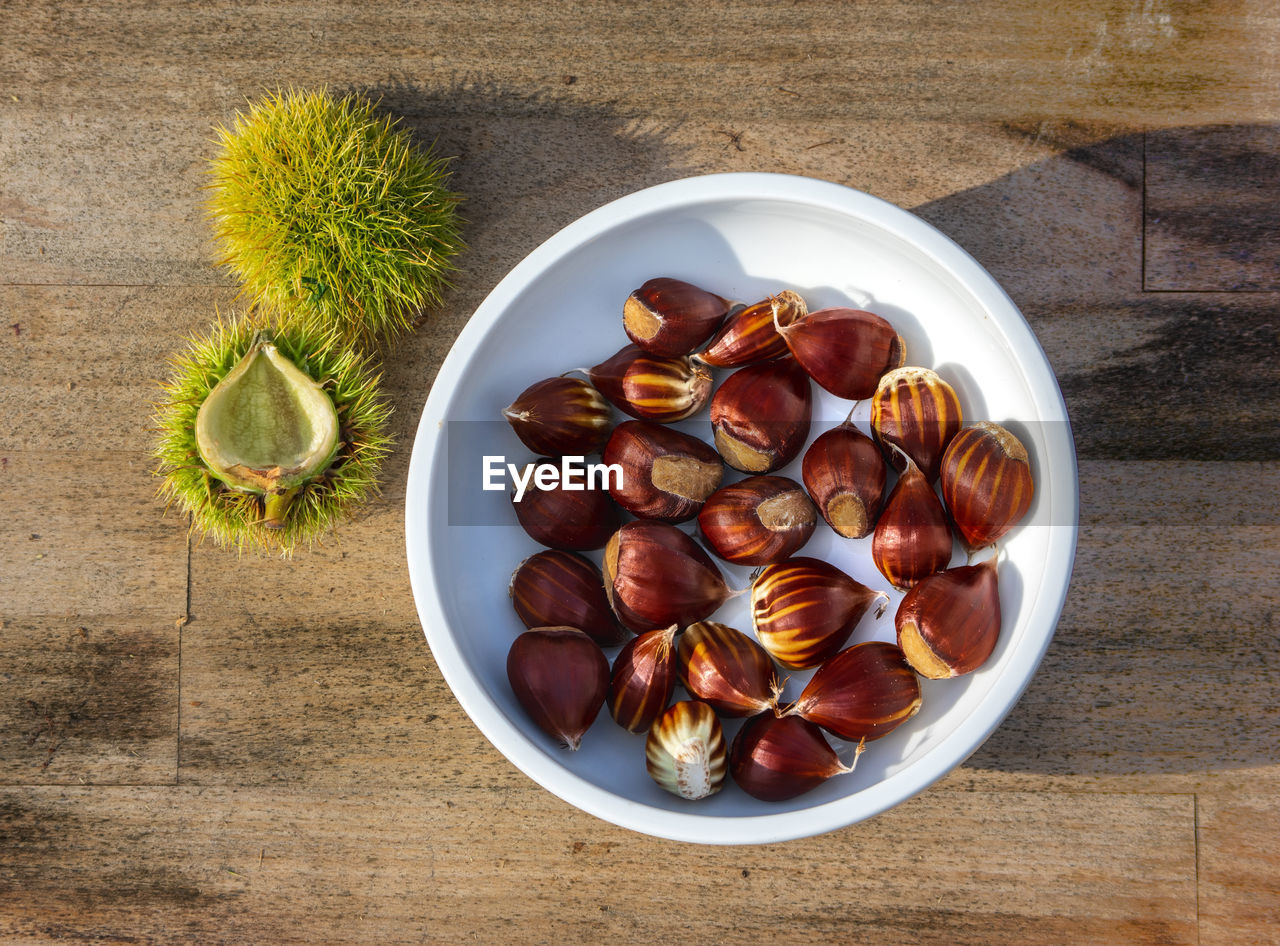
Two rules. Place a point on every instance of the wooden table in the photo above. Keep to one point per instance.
(200, 748)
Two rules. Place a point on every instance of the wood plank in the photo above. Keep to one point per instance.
(1238, 870)
(84, 536)
(1167, 376)
(1171, 606)
(1158, 61)
(142, 223)
(1060, 227)
(1162, 671)
(88, 700)
(400, 866)
(1210, 210)
(80, 366)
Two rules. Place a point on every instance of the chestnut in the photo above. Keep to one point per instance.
(758, 520)
(671, 317)
(760, 415)
(666, 474)
(652, 387)
(986, 482)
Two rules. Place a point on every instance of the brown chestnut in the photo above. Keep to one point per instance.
(666, 474)
(986, 482)
(749, 335)
(671, 317)
(758, 520)
(760, 415)
(845, 474)
(652, 387)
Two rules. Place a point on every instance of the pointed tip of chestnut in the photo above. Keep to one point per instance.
(748, 335)
(560, 416)
(845, 350)
(643, 679)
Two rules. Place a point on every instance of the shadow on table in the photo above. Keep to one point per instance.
(528, 165)
(1165, 658)
(1126, 255)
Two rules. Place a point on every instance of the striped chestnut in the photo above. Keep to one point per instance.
(918, 412)
(652, 387)
(748, 335)
(560, 417)
(666, 473)
(758, 520)
(804, 610)
(558, 588)
(685, 750)
(864, 692)
(760, 415)
(986, 482)
(722, 666)
(669, 317)
(845, 474)
(643, 679)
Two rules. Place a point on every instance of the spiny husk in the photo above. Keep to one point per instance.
(233, 518)
(325, 209)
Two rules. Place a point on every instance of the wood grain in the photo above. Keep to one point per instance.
(404, 866)
(289, 766)
(84, 536)
(1239, 877)
(1095, 58)
(88, 700)
(1210, 209)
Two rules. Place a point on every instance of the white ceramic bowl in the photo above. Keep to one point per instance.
(743, 236)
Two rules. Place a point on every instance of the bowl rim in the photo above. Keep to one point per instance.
(787, 825)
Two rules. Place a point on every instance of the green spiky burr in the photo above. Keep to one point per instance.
(270, 433)
(324, 207)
